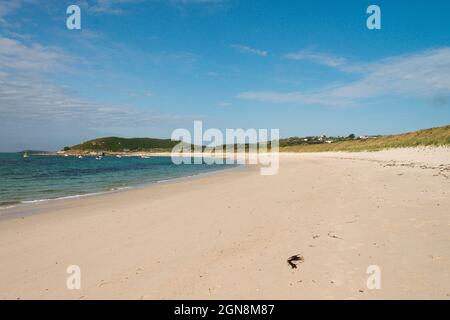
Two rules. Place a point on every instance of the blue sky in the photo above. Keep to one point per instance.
(145, 68)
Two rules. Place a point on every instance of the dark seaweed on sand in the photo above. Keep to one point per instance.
(296, 258)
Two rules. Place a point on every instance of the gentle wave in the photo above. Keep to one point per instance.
(46, 178)
(75, 196)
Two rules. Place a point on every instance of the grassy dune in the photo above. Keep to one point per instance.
(428, 137)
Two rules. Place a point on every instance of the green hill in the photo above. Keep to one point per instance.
(428, 137)
(115, 144)
(439, 136)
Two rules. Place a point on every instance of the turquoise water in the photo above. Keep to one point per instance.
(37, 178)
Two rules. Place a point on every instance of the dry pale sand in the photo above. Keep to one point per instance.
(228, 235)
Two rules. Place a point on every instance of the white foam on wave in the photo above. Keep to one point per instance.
(77, 195)
(6, 207)
(113, 189)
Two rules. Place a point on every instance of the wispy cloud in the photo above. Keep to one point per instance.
(423, 75)
(221, 71)
(8, 7)
(317, 57)
(210, 5)
(17, 56)
(249, 50)
(27, 95)
(114, 7)
(119, 7)
(188, 2)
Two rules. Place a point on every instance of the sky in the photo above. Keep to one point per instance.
(144, 68)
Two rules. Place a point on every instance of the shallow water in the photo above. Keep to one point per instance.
(39, 178)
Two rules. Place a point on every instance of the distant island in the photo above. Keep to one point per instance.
(115, 144)
(439, 136)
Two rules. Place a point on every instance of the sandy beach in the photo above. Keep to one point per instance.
(228, 235)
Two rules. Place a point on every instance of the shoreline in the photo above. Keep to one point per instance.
(335, 154)
(19, 209)
(228, 235)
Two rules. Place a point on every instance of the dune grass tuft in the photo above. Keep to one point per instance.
(439, 136)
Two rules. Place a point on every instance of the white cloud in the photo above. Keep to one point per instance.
(187, 2)
(317, 57)
(246, 49)
(117, 7)
(291, 97)
(26, 95)
(17, 56)
(33, 99)
(8, 7)
(424, 75)
(114, 7)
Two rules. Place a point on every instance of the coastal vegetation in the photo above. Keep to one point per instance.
(439, 136)
(115, 144)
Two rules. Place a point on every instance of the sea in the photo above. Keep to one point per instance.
(46, 177)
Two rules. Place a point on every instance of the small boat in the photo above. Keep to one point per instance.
(25, 155)
(118, 156)
(80, 157)
(98, 158)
